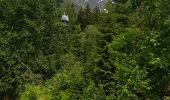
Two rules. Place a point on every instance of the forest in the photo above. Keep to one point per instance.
(122, 54)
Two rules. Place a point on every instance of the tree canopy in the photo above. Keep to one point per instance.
(115, 55)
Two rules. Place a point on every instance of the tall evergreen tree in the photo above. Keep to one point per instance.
(95, 15)
(81, 19)
(85, 17)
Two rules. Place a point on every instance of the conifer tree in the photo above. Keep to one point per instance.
(95, 13)
(85, 17)
(81, 19)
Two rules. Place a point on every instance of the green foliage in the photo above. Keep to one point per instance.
(136, 58)
(35, 93)
(68, 84)
(26, 29)
(85, 17)
(90, 40)
(130, 77)
(122, 54)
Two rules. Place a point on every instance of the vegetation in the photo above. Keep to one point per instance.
(119, 55)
